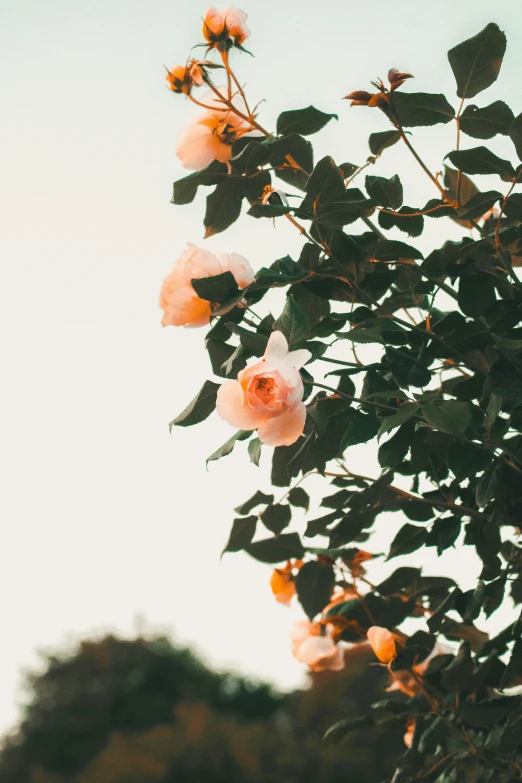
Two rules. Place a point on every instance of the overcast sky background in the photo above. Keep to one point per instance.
(108, 522)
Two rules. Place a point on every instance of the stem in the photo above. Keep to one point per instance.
(352, 399)
(500, 252)
(420, 161)
(457, 147)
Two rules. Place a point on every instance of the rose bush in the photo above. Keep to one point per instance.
(418, 352)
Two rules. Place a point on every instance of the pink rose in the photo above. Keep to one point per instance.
(180, 303)
(225, 24)
(382, 642)
(211, 135)
(319, 652)
(268, 395)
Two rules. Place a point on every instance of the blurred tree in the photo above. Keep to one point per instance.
(144, 711)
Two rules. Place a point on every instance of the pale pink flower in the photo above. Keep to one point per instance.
(225, 24)
(268, 395)
(179, 301)
(211, 135)
(319, 652)
(382, 642)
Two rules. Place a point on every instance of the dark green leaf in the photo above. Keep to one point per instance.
(378, 142)
(224, 205)
(268, 210)
(386, 192)
(420, 108)
(451, 416)
(293, 322)
(254, 450)
(185, 189)
(405, 220)
(488, 484)
(458, 676)
(359, 428)
(303, 121)
(476, 62)
(200, 408)
(242, 533)
(395, 449)
(339, 730)
(408, 539)
(277, 550)
(487, 713)
(480, 160)
(300, 150)
(487, 122)
(478, 205)
(299, 497)
(476, 294)
(404, 413)
(314, 585)
(326, 181)
(513, 207)
(391, 250)
(228, 447)
(216, 288)
(276, 517)
(258, 498)
(515, 133)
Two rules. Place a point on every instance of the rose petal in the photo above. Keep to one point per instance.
(298, 359)
(239, 266)
(230, 405)
(285, 429)
(277, 346)
(382, 642)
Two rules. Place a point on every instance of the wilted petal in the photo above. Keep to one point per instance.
(285, 429)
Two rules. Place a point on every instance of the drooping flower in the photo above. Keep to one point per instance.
(178, 299)
(182, 78)
(211, 135)
(226, 27)
(382, 642)
(312, 644)
(268, 395)
(282, 581)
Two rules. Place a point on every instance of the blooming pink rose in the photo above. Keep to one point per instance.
(382, 642)
(211, 135)
(317, 651)
(268, 395)
(224, 24)
(180, 303)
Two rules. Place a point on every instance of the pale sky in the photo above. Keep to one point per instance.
(106, 517)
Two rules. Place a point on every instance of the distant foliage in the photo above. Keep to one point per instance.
(419, 353)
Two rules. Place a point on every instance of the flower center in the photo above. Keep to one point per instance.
(265, 389)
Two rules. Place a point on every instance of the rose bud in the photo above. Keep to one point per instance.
(358, 98)
(396, 78)
(182, 78)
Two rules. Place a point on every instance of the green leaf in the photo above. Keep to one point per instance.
(360, 428)
(414, 109)
(303, 121)
(200, 408)
(488, 484)
(293, 322)
(268, 210)
(476, 62)
(299, 497)
(314, 585)
(476, 294)
(406, 369)
(242, 533)
(257, 499)
(404, 413)
(394, 450)
(446, 532)
(478, 205)
(508, 345)
(276, 517)
(405, 220)
(216, 288)
(277, 550)
(408, 539)
(228, 447)
(458, 676)
(480, 160)
(487, 122)
(451, 417)
(515, 133)
(513, 207)
(185, 189)
(487, 713)
(301, 151)
(253, 342)
(339, 730)
(386, 192)
(492, 411)
(392, 250)
(254, 450)
(224, 205)
(378, 142)
(326, 181)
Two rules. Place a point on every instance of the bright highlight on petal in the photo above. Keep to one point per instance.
(382, 642)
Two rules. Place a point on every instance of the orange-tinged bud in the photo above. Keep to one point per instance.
(382, 642)
(396, 78)
(358, 98)
(182, 78)
(282, 581)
